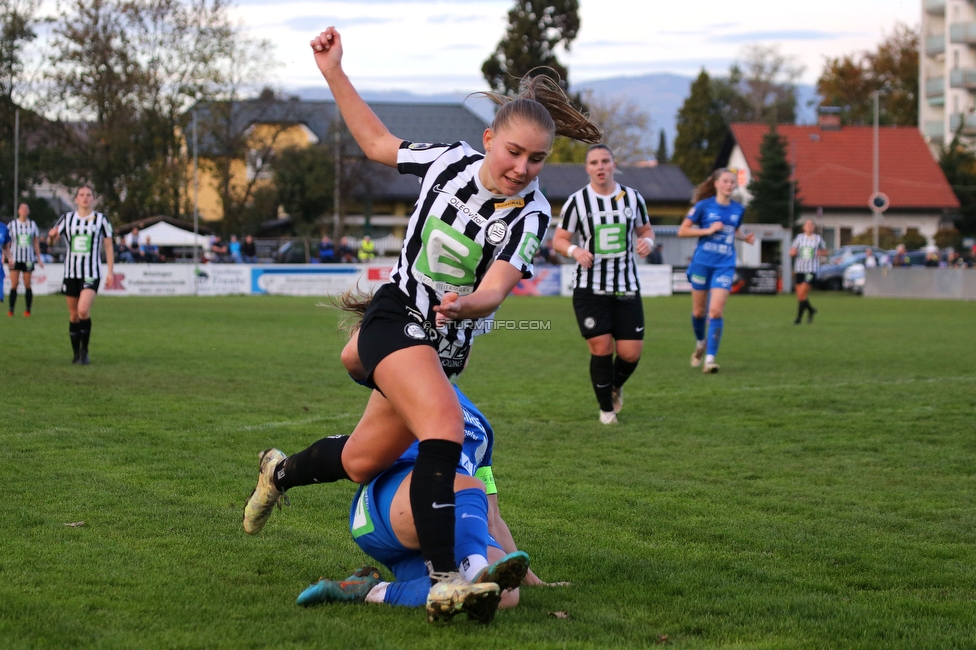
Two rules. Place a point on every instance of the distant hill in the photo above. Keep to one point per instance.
(660, 94)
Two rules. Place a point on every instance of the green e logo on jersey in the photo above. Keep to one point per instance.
(23, 240)
(447, 255)
(611, 238)
(530, 244)
(806, 252)
(81, 244)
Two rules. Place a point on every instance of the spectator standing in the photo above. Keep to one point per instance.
(367, 249)
(249, 252)
(870, 261)
(901, 257)
(327, 253)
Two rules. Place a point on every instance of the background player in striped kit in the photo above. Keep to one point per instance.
(83, 229)
(806, 250)
(25, 251)
(715, 220)
(474, 212)
(611, 221)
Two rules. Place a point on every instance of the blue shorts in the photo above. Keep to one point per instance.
(369, 523)
(705, 276)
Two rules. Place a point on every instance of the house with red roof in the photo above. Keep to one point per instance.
(834, 175)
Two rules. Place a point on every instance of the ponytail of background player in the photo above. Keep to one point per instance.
(715, 220)
(476, 225)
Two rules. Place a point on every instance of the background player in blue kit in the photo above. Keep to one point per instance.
(4, 242)
(715, 220)
(381, 522)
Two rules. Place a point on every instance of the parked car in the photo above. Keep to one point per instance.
(831, 275)
(292, 252)
(854, 278)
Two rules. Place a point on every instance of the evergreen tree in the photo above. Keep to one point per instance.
(662, 149)
(770, 188)
(535, 29)
(701, 131)
(959, 166)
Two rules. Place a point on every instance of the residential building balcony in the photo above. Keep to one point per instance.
(963, 78)
(935, 7)
(935, 44)
(934, 130)
(966, 120)
(963, 33)
(935, 90)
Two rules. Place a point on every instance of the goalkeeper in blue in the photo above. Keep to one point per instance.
(381, 523)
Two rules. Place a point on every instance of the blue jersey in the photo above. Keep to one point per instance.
(4, 240)
(476, 450)
(717, 249)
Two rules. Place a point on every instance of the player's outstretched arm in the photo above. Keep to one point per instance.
(498, 282)
(370, 133)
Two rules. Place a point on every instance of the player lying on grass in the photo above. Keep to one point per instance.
(382, 524)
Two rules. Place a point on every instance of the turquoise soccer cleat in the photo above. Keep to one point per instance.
(351, 590)
(508, 572)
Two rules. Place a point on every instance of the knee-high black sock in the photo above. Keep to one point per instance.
(28, 298)
(84, 332)
(809, 306)
(75, 337)
(319, 463)
(622, 370)
(13, 299)
(432, 502)
(601, 374)
(801, 307)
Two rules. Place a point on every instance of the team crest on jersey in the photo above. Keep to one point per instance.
(420, 146)
(511, 203)
(589, 322)
(496, 233)
(691, 212)
(628, 212)
(415, 331)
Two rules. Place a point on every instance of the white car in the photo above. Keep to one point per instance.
(854, 278)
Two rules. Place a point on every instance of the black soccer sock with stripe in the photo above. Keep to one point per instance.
(75, 337)
(28, 298)
(84, 332)
(432, 502)
(319, 463)
(13, 299)
(622, 370)
(601, 374)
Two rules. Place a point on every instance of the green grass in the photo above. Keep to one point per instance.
(819, 493)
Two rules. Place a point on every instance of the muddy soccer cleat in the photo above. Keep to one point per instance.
(452, 595)
(710, 368)
(618, 398)
(265, 496)
(608, 417)
(698, 355)
(508, 572)
(353, 589)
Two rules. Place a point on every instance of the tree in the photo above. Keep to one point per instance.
(623, 123)
(764, 91)
(661, 155)
(304, 177)
(959, 166)
(535, 30)
(771, 189)
(849, 81)
(701, 131)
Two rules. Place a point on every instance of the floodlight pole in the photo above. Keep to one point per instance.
(16, 158)
(196, 203)
(874, 208)
(337, 154)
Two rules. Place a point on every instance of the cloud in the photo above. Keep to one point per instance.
(452, 18)
(301, 24)
(782, 35)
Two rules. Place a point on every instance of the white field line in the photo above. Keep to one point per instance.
(839, 384)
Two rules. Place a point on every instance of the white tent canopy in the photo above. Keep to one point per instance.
(165, 234)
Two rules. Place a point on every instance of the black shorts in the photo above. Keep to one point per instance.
(74, 286)
(804, 278)
(392, 323)
(620, 316)
(24, 267)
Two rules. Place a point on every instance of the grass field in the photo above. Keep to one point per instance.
(819, 493)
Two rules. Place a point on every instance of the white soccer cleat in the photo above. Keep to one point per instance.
(698, 355)
(608, 417)
(452, 595)
(711, 368)
(618, 399)
(265, 496)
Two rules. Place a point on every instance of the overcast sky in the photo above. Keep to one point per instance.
(429, 46)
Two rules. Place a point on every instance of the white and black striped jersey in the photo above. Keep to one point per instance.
(22, 237)
(807, 260)
(83, 236)
(458, 228)
(606, 226)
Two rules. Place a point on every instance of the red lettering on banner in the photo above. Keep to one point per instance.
(378, 274)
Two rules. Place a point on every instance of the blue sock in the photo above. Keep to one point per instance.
(714, 334)
(410, 593)
(699, 326)
(471, 527)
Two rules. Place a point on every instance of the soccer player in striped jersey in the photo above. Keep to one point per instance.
(25, 251)
(806, 250)
(84, 229)
(476, 225)
(715, 220)
(611, 221)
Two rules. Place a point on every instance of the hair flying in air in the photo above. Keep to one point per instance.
(706, 189)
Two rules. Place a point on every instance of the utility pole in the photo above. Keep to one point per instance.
(16, 159)
(877, 212)
(196, 203)
(336, 196)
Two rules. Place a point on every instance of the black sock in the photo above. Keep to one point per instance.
(13, 299)
(802, 306)
(319, 463)
(432, 502)
(75, 337)
(84, 333)
(28, 298)
(809, 306)
(622, 370)
(601, 374)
